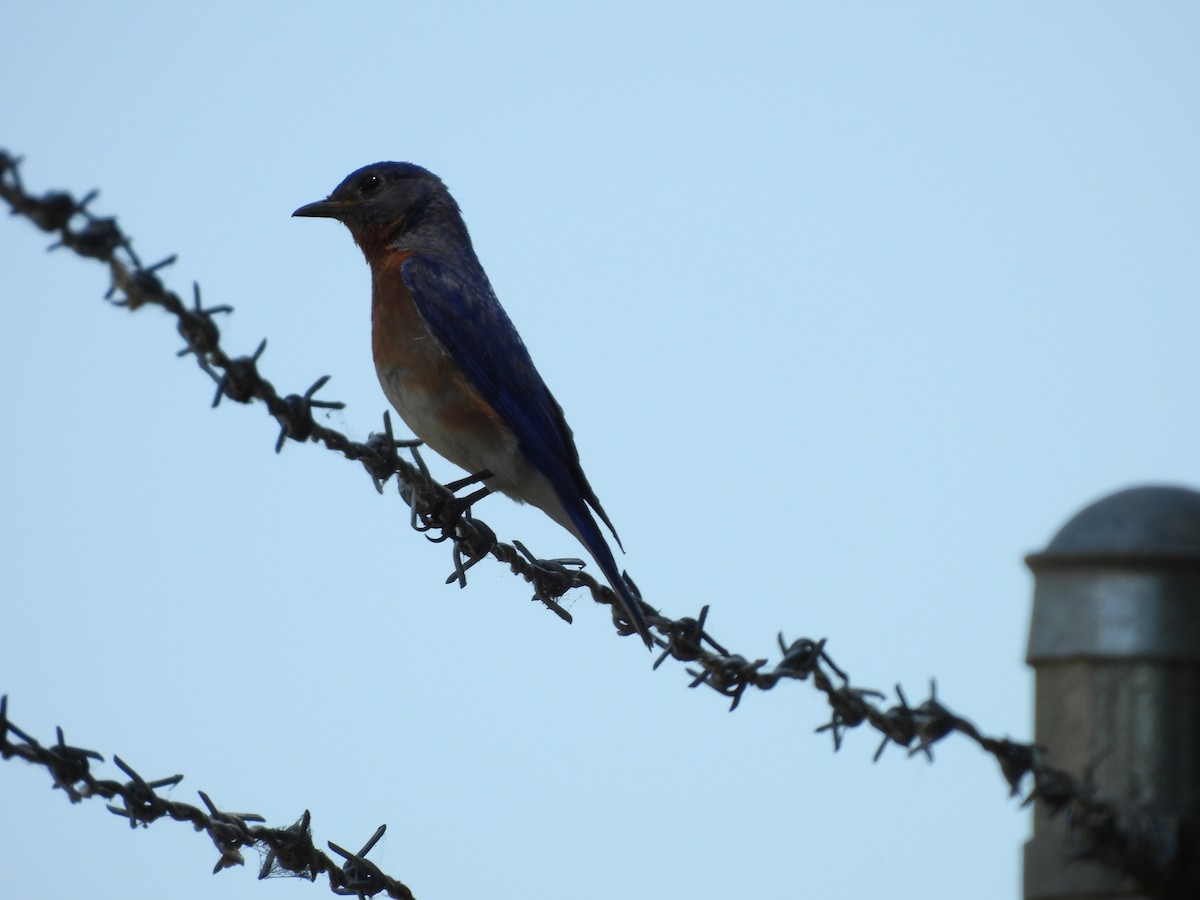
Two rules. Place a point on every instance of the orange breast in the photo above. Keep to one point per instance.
(398, 334)
(421, 378)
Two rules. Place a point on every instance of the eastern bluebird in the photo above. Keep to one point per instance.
(451, 362)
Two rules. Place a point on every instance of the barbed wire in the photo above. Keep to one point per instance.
(287, 850)
(1140, 844)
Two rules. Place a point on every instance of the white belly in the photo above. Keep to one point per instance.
(473, 443)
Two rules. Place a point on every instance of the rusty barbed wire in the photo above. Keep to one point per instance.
(1142, 845)
(288, 850)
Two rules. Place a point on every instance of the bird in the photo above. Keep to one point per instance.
(451, 362)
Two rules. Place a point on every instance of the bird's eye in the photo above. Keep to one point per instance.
(369, 184)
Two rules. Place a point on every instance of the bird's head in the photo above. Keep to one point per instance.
(384, 202)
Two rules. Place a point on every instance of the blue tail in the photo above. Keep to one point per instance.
(590, 534)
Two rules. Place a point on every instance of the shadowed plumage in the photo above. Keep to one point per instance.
(451, 362)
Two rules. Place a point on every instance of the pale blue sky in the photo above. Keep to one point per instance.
(850, 307)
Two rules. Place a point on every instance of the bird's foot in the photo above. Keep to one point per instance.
(473, 541)
(446, 514)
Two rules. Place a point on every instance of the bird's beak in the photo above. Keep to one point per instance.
(323, 209)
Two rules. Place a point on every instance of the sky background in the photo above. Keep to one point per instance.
(849, 306)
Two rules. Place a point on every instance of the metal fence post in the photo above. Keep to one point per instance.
(1115, 645)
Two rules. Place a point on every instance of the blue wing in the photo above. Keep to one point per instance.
(460, 308)
(463, 313)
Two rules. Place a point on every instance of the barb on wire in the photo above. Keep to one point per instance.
(1128, 839)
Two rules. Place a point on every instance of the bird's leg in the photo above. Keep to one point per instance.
(455, 508)
(464, 503)
(455, 486)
